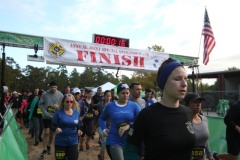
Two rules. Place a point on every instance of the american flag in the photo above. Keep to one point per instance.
(209, 40)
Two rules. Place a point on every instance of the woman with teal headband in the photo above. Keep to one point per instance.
(165, 127)
(121, 114)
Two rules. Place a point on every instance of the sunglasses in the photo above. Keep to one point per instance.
(69, 101)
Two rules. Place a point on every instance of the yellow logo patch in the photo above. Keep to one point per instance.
(56, 49)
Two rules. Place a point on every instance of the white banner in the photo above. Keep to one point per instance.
(75, 53)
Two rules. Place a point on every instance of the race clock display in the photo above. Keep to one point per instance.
(109, 40)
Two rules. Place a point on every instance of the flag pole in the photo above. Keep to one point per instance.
(196, 65)
(199, 48)
(2, 106)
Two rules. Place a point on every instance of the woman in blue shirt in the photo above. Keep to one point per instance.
(122, 114)
(67, 124)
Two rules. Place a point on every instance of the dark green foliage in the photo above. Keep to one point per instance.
(32, 77)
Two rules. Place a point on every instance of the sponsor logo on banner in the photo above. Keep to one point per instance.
(56, 49)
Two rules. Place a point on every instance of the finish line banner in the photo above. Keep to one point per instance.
(75, 53)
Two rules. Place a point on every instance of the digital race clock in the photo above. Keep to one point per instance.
(109, 40)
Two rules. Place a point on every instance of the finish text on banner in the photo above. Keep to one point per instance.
(59, 51)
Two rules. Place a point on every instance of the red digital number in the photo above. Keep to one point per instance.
(122, 43)
(113, 41)
(108, 41)
(97, 39)
(102, 40)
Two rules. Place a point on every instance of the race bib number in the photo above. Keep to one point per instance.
(89, 115)
(50, 109)
(122, 124)
(39, 111)
(60, 154)
(197, 152)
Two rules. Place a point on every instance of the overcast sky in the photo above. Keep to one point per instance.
(174, 24)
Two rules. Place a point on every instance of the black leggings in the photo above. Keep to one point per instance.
(66, 152)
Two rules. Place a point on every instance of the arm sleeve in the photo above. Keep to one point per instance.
(139, 129)
(231, 116)
(103, 118)
(41, 105)
(80, 124)
(82, 108)
(136, 111)
(131, 149)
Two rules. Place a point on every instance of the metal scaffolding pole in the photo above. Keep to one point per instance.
(2, 106)
(193, 77)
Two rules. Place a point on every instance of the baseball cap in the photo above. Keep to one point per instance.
(14, 92)
(76, 90)
(192, 97)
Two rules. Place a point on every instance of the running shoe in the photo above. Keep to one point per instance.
(48, 150)
(44, 154)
